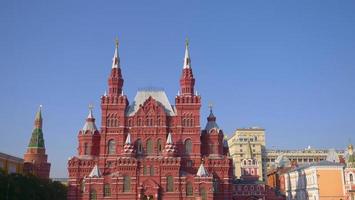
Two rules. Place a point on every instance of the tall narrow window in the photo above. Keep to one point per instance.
(149, 146)
(158, 122)
(93, 194)
(159, 146)
(145, 170)
(215, 184)
(351, 178)
(107, 190)
(203, 193)
(86, 149)
(151, 171)
(108, 122)
(169, 184)
(189, 189)
(188, 146)
(126, 184)
(139, 146)
(111, 147)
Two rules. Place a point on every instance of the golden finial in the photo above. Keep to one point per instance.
(116, 42)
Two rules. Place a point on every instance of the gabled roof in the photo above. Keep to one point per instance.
(95, 172)
(202, 172)
(157, 95)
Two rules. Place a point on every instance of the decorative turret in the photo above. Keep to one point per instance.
(89, 126)
(128, 148)
(170, 148)
(211, 121)
(115, 80)
(35, 159)
(89, 137)
(187, 80)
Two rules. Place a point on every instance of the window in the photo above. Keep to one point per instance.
(189, 189)
(159, 146)
(169, 184)
(189, 163)
(351, 178)
(158, 122)
(126, 184)
(149, 146)
(93, 194)
(139, 123)
(203, 193)
(111, 147)
(151, 171)
(108, 122)
(145, 170)
(86, 149)
(107, 190)
(188, 146)
(139, 146)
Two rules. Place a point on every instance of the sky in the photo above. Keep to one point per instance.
(286, 66)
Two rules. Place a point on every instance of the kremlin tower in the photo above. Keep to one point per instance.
(35, 159)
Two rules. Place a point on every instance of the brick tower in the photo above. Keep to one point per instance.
(150, 149)
(35, 159)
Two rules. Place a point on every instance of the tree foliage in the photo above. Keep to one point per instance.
(28, 187)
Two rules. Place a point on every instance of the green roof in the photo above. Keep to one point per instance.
(37, 140)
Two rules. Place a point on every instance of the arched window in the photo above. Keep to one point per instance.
(86, 149)
(93, 194)
(188, 146)
(169, 184)
(111, 147)
(203, 193)
(126, 184)
(108, 122)
(149, 146)
(189, 189)
(139, 123)
(158, 123)
(159, 146)
(351, 178)
(107, 190)
(151, 171)
(145, 170)
(139, 146)
(184, 122)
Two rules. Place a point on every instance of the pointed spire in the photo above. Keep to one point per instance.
(211, 120)
(90, 121)
(128, 139)
(187, 60)
(116, 57)
(37, 140)
(90, 116)
(169, 140)
(95, 172)
(202, 172)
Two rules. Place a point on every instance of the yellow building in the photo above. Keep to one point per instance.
(11, 164)
(318, 181)
(238, 147)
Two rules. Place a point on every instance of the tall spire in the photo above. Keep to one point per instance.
(115, 81)
(187, 60)
(116, 57)
(169, 140)
(38, 118)
(37, 140)
(128, 139)
(187, 80)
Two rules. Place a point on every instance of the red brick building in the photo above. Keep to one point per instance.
(150, 149)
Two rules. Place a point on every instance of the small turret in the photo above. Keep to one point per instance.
(170, 148)
(128, 148)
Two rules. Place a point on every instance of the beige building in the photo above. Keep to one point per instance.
(318, 181)
(238, 148)
(11, 164)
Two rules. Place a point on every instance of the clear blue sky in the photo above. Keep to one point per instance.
(287, 66)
